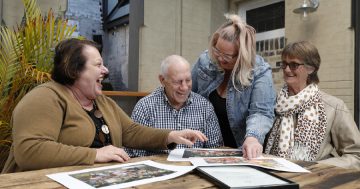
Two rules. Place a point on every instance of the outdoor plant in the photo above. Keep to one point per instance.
(26, 59)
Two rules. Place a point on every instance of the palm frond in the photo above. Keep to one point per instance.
(26, 59)
(32, 10)
(5, 143)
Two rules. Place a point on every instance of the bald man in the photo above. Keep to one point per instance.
(174, 106)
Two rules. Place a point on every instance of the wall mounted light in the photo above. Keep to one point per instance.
(307, 7)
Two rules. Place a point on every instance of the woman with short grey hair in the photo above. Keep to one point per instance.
(311, 125)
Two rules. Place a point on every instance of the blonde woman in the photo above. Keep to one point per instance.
(239, 85)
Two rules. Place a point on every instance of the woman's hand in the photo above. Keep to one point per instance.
(251, 148)
(111, 153)
(186, 136)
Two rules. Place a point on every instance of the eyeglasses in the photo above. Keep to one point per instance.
(292, 65)
(225, 57)
(179, 83)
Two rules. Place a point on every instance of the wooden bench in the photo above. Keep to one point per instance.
(126, 99)
(125, 93)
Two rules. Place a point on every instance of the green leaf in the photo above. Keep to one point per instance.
(26, 59)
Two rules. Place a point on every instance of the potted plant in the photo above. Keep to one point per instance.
(26, 59)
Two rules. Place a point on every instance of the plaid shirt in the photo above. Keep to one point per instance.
(198, 114)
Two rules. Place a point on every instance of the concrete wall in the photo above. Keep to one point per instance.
(328, 28)
(86, 15)
(116, 55)
(184, 27)
(176, 27)
(13, 10)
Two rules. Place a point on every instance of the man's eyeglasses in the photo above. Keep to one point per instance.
(180, 82)
(225, 57)
(292, 65)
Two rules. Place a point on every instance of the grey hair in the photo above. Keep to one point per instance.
(170, 60)
(308, 54)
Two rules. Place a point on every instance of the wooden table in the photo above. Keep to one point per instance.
(321, 177)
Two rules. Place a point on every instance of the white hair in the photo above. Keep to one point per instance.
(170, 60)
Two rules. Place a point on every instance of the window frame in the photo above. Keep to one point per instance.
(249, 5)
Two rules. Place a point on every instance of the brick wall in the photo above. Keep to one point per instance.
(270, 50)
(329, 30)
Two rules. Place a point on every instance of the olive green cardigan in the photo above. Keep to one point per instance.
(50, 129)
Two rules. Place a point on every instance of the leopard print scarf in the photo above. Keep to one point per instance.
(301, 140)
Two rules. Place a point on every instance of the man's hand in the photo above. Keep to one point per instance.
(251, 148)
(186, 136)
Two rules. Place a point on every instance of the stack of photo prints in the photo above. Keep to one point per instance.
(224, 167)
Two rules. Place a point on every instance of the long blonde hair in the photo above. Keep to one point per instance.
(235, 30)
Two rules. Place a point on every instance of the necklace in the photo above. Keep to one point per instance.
(98, 114)
(102, 130)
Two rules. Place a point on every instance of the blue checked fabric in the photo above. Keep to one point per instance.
(155, 111)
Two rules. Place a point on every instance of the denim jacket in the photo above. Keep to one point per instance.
(250, 109)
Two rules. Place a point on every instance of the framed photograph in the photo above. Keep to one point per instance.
(245, 177)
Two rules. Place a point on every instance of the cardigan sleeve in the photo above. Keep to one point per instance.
(142, 137)
(132, 134)
(37, 122)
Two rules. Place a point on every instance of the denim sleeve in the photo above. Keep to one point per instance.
(212, 129)
(261, 110)
(194, 76)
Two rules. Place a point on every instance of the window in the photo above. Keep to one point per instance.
(115, 13)
(267, 18)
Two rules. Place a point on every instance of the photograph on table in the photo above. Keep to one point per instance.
(279, 164)
(188, 153)
(108, 177)
(120, 176)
